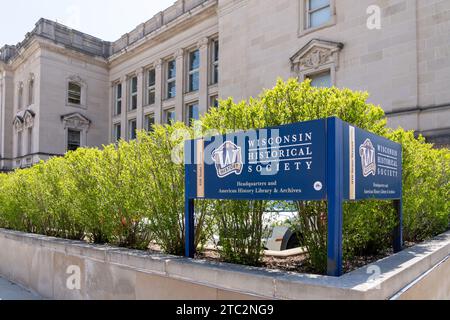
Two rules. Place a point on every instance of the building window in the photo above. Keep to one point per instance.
(118, 99)
(319, 12)
(171, 79)
(321, 80)
(74, 93)
(31, 92)
(133, 93)
(194, 65)
(19, 144)
(20, 96)
(117, 132)
(151, 82)
(215, 62)
(192, 113)
(214, 101)
(30, 140)
(132, 128)
(73, 140)
(149, 122)
(169, 116)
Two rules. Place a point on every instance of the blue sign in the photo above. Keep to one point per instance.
(325, 159)
(281, 163)
(374, 169)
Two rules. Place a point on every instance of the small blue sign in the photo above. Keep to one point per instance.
(372, 166)
(325, 159)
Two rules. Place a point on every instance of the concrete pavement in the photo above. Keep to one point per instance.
(11, 291)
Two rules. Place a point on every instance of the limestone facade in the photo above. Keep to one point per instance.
(61, 88)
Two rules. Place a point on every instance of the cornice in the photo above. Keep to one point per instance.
(67, 52)
(38, 42)
(167, 31)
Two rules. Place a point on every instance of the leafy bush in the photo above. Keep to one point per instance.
(132, 194)
(240, 228)
(129, 194)
(426, 187)
(368, 225)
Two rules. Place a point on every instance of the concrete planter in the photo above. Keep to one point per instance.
(47, 265)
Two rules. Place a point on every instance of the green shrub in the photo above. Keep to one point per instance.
(132, 193)
(240, 229)
(239, 224)
(84, 182)
(128, 195)
(368, 225)
(426, 187)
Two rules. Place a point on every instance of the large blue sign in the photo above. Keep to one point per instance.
(282, 163)
(324, 159)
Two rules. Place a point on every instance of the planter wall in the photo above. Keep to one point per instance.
(42, 264)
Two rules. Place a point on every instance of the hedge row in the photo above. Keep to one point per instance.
(132, 193)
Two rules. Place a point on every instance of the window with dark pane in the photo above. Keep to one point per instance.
(192, 113)
(133, 93)
(151, 82)
(149, 122)
(132, 128)
(118, 104)
(73, 140)
(171, 79)
(194, 65)
(215, 62)
(74, 93)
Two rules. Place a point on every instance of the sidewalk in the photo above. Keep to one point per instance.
(11, 291)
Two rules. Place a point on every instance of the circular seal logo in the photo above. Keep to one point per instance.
(318, 186)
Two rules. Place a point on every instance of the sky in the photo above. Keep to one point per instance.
(105, 19)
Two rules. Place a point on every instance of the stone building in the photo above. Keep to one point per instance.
(61, 89)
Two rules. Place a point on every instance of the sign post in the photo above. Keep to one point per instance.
(321, 160)
(334, 196)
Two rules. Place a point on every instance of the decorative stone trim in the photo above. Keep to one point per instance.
(76, 121)
(316, 56)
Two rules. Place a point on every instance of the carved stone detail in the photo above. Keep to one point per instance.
(29, 119)
(315, 57)
(24, 120)
(77, 79)
(18, 123)
(76, 121)
(203, 43)
(315, 54)
(179, 54)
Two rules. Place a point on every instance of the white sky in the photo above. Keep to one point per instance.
(106, 19)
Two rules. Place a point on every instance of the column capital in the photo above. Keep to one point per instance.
(139, 71)
(123, 79)
(179, 54)
(158, 63)
(203, 43)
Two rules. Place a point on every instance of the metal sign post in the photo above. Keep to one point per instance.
(321, 160)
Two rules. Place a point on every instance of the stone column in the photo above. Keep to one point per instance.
(159, 78)
(179, 99)
(125, 102)
(203, 72)
(140, 100)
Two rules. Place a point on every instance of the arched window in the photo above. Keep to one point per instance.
(31, 91)
(74, 93)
